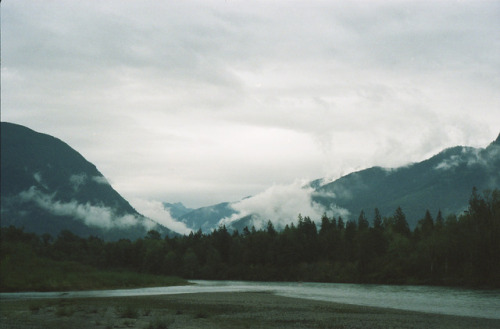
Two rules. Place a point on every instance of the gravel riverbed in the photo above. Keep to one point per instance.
(216, 310)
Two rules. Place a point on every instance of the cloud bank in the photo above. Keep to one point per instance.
(91, 215)
(98, 215)
(223, 98)
(281, 204)
(156, 211)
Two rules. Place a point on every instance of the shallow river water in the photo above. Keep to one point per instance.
(442, 300)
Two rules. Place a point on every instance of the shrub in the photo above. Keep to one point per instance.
(129, 313)
(160, 323)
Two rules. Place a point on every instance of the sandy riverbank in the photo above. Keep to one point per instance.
(216, 310)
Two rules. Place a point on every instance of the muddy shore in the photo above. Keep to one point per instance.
(216, 310)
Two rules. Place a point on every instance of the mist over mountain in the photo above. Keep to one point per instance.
(443, 183)
(205, 218)
(46, 187)
(176, 209)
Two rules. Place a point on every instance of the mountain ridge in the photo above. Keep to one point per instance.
(47, 186)
(440, 183)
(44, 178)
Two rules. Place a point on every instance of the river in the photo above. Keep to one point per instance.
(441, 300)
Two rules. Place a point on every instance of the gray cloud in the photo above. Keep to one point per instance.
(208, 101)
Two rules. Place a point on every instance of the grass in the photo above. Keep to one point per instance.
(129, 312)
(63, 310)
(201, 315)
(35, 307)
(39, 274)
(160, 323)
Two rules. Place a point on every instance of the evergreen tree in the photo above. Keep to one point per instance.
(463, 250)
(325, 224)
(377, 220)
(362, 222)
(153, 235)
(270, 229)
(349, 234)
(400, 224)
(439, 220)
(426, 225)
(340, 223)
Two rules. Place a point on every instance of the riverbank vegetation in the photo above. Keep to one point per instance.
(27, 265)
(460, 250)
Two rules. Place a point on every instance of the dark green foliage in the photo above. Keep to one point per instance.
(400, 225)
(129, 312)
(426, 225)
(160, 323)
(461, 250)
(27, 264)
(377, 220)
(363, 223)
(443, 181)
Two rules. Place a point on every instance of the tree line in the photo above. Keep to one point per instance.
(459, 250)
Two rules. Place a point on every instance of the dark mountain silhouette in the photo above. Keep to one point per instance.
(176, 209)
(46, 187)
(207, 218)
(443, 182)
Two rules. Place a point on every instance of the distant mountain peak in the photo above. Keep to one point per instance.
(176, 209)
(497, 141)
(442, 182)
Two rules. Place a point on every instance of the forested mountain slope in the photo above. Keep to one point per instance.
(443, 182)
(46, 187)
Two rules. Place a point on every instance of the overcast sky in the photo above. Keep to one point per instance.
(211, 101)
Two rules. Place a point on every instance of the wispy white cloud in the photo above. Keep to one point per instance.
(78, 180)
(281, 204)
(468, 157)
(91, 215)
(39, 179)
(100, 180)
(472, 157)
(156, 211)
